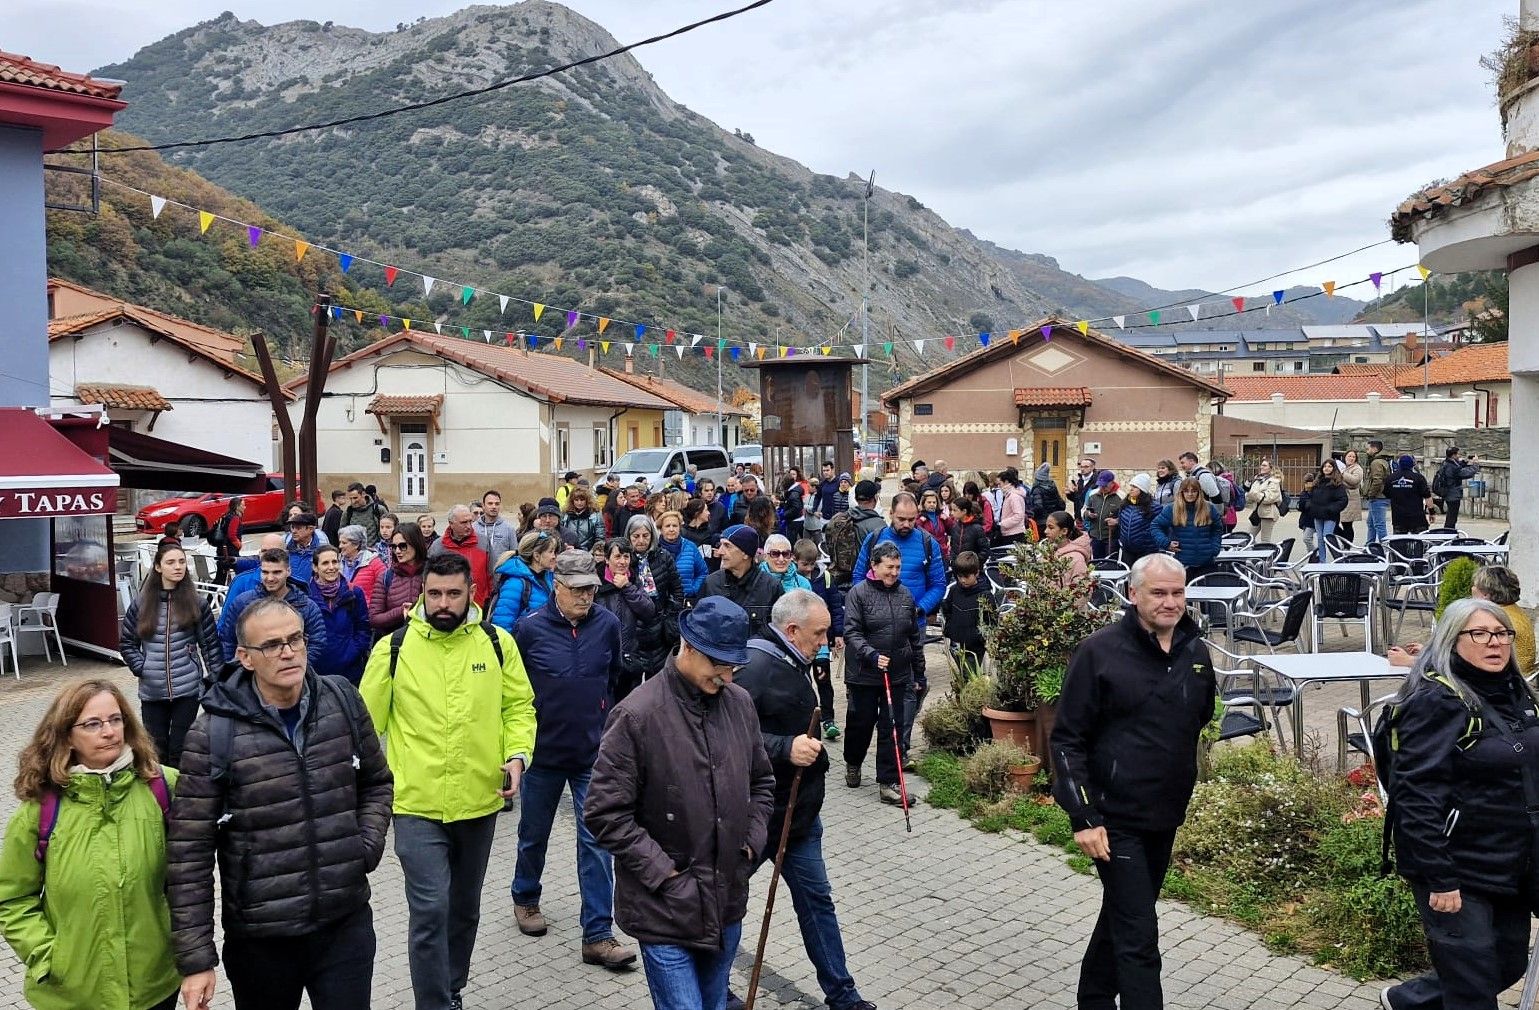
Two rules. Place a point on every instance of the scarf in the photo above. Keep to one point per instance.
(672, 548)
(124, 760)
(408, 568)
(330, 591)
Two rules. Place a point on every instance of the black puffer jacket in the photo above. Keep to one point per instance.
(634, 608)
(656, 638)
(783, 692)
(881, 620)
(1326, 501)
(167, 663)
(1457, 802)
(304, 831)
(756, 592)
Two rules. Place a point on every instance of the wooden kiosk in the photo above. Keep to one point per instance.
(807, 414)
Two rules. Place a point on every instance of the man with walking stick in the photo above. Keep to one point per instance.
(681, 796)
(780, 680)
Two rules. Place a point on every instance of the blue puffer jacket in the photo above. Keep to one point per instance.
(348, 635)
(691, 566)
(1199, 544)
(574, 669)
(926, 582)
(1135, 528)
(517, 579)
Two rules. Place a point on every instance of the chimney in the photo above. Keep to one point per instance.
(630, 365)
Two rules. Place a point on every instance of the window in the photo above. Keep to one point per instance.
(924, 409)
(563, 448)
(1258, 366)
(708, 459)
(601, 454)
(1298, 366)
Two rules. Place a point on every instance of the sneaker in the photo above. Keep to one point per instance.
(608, 952)
(852, 776)
(889, 794)
(830, 730)
(909, 765)
(1384, 998)
(530, 921)
(864, 1004)
(734, 1001)
(456, 1001)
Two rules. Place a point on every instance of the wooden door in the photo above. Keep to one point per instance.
(1051, 446)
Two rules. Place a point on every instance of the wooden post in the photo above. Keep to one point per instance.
(322, 347)
(280, 412)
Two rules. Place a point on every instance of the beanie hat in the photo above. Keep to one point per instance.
(1406, 462)
(1143, 482)
(1104, 478)
(743, 538)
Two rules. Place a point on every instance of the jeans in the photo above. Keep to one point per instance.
(541, 795)
(444, 866)
(1451, 518)
(867, 712)
(680, 978)
(813, 899)
(1123, 956)
(167, 723)
(1476, 953)
(334, 964)
(1323, 530)
(1378, 519)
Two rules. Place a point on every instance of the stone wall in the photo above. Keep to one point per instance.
(1493, 443)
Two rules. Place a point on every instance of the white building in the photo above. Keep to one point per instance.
(693, 421)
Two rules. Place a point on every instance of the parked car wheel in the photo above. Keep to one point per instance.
(194, 526)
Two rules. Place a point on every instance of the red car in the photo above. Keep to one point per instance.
(198, 511)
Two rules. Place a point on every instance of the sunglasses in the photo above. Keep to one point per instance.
(399, 545)
(777, 554)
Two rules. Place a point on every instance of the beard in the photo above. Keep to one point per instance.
(446, 620)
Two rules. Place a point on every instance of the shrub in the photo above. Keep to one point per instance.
(987, 771)
(1458, 581)
(948, 727)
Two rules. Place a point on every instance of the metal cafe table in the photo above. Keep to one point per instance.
(1303, 669)
(1224, 596)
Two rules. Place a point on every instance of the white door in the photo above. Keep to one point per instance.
(414, 457)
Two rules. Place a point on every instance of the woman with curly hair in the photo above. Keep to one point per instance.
(83, 865)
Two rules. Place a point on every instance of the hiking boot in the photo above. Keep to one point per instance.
(608, 952)
(530, 921)
(889, 794)
(852, 776)
(830, 730)
(456, 1001)
(734, 1001)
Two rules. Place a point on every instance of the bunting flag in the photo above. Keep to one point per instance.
(950, 342)
(1378, 278)
(782, 352)
(534, 341)
(668, 337)
(157, 204)
(1154, 317)
(859, 349)
(345, 261)
(1423, 271)
(571, 318)
(582, 345)
(384, 321)
(652, 349)
(760, 353)
(253, 235)
(1047, 332)
(825, 349)
(710, 353)
(336, 312)
(507, 338)
(1330, 289)
(735, 353)
(919, 346)
(753, 348)
(604, 346)
(1277, 297)
(628, 349)
(539, 310)
(1195, 310)
(502, 303)
(358, 315)
(466, 294)
(641, 329)
(1015, 336)
(1121, 322)
(300, 248)
(603, 323)
(887, 348)
(721, 345)
(1084, 327)
(438, 327)
(694, 339)
(679, 350)
(204, 220)
(390, 276)
(558, 343)
(406, 323)
(427, 284)
(1238, 301)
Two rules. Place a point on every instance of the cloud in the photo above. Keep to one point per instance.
(1189, 143)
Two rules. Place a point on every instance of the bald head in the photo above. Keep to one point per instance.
(272, 540)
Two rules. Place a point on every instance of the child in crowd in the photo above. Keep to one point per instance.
(962, 610)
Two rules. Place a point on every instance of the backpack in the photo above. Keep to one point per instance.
(1225, 493)
(871, 541)
(219, 536)
(842, 539)
(398, 638)
(1440, 481)
(52, 798)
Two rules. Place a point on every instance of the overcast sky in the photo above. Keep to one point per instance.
(1190, 143)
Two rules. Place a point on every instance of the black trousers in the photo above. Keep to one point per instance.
(167, 723)
(822, 672)
(868, 713)
(1451, 519)
(1476, 953)
(1345, 531)
(1123, 956)
(334, 964)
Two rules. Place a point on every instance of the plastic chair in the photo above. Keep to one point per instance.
(1295, 611)
(1343, 597)
(41, 617)
(8, 637)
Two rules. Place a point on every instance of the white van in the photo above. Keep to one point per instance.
(658, 464)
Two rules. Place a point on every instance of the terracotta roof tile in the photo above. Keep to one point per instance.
(1052, 396)
(405, 406)
(682, 396)
(1434, 200)
(542, 375)
(1309, 387)
(224, 344)
(1382, 368)
(122, 397)
(1474, 363)
(29, 73)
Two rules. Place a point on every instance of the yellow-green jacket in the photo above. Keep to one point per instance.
(449, 716)
(92, 925)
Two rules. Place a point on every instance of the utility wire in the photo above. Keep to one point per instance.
(444, 100)
(1273, 277)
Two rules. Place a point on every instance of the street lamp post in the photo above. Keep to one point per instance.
(720, 433)
(865, 318)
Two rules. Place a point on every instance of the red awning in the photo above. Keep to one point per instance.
(44, 474)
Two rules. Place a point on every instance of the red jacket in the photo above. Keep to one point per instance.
(470, 550)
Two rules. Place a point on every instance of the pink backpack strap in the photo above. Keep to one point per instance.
(47, 819)
(162, 794)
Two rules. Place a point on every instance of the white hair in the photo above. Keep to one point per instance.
(1166, 563)
(795, 607)
(777, 540)
(457, 510)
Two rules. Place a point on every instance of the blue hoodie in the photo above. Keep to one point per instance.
(573, 669)
(514, 576)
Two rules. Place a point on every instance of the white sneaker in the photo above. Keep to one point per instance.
(1384, 998)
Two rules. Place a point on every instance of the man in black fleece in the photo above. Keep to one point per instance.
(1135, 699)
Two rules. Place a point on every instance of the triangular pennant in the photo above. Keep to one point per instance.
(157, 204)
(641, 329)
(827, 350)
(582, 345)
(919, 346)
(539, 310)
(1378, 278)
(788, 352)
(1047, 332)
(558, 343)
(384, 321)
(950, 342)
(466, 294)
(760, 353)
(438, 327)
(887, 348)
(571, 319)
(694, 339)
(507, 338)
(667, 336)
(502, 303)
(1330, 289)
(390, 276)
(628, 349)
(534, 341)
(345, 261)
(406, 323)
(253, 235)
(1121, 322)
(736, 353)
(679, 350)
(710, 352)
(300, 248)
(1239, 303)
(652, 349)
(1084, 327)
(1423, 271)
(1195, 310)
(485, 334)
(1015, 336)
(604, 346)
(721, 345)
(603, 323)
(358, 314)
(336, 312)
(753, 348)
(204, 220)
(859, 349)
(983, 338)
(1154, 317)
(427, 284)
(1277, 297)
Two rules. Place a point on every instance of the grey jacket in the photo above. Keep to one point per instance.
(496, 538)
(170, 665)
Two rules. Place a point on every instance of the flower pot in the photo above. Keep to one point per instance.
(1017, 727)
(1022, 776)
(1047, 715)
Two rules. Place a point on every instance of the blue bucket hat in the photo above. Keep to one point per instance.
(718, 628)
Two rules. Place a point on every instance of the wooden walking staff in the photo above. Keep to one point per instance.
(780, 856)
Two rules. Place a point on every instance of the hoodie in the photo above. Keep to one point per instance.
(1078, 553)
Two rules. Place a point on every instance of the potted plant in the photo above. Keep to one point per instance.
(1031, 642)
(998, 767)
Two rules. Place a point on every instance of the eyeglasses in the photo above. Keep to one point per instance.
(273, 650)
(95, 726)
(777, 554)
(1485, 636)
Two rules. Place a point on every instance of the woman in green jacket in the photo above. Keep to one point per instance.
(87, 912)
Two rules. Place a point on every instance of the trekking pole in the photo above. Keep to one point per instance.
(1530, 983)
(780, 856)
(892, 717)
